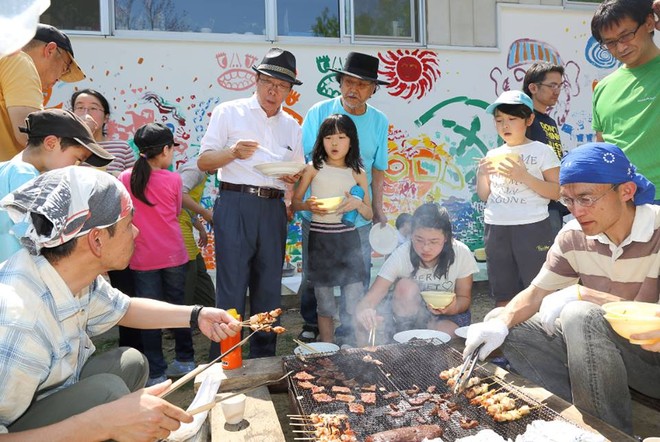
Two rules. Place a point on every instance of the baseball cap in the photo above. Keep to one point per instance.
(153, 135)
(63, 204)
(511, 97)
(63, 123)
(48, 33)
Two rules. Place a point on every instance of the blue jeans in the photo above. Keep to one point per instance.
(164, 285)
(585, 363)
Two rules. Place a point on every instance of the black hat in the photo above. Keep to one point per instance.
(280, 64)
(48, 33)
(362, 66)
(63, 123)
(153, 135)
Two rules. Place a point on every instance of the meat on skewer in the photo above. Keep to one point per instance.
(512, 415)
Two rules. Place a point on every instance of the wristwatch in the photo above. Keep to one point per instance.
(194, 316)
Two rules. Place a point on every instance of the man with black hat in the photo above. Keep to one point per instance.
(56, 138)
(76, 223)
(358, 81)
(250, 216)
(26, 76)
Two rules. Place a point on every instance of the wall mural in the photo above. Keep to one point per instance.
(435, 101)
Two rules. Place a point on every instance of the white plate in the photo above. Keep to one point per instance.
(320, 347)
(383, 239)
(461, 332)
(407, 335)
(280, 169)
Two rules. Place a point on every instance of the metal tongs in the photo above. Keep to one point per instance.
(466, 370)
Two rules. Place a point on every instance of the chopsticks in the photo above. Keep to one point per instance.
(176, 385)
(305, 346)
(372, 336)
(245, 390)
(466, 370)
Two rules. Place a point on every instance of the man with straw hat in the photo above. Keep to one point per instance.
(75, 224)
(250, 215)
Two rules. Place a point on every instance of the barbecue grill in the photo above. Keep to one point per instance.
(404, 366)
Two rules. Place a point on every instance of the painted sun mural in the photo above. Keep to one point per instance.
(411, 73)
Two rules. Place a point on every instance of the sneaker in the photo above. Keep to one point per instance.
(309, 333)
(177, 369)
(154, 381)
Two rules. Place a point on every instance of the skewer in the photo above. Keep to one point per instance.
(176, 385)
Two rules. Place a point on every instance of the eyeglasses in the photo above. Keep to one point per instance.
(625, 38)
(88, 109)
(553, 86)
(421, 242)
(584, 201)
(279, 87)
(68, 64)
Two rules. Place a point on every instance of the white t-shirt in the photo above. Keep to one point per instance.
(279, 136)
(512, 203)
(398, 266)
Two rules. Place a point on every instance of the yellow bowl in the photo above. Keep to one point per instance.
(438, 299)
(330, 203)
(480, 255)
(498, 160)
(628, 318)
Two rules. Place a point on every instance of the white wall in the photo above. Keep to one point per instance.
(435, 104)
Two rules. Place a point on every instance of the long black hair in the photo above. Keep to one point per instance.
(338, 124)
(99, 96)
(431, 216)
(142, 172)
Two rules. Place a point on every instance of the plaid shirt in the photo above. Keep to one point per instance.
(45, 330)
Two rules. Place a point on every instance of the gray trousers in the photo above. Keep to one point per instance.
(103, 379)
(585, 363)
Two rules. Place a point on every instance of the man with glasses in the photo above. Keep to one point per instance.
(556, 335)
(250, 216)
(626, 103)
(24, 79)
(543, 83)
(358, 82)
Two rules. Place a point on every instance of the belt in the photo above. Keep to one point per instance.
(261, 192)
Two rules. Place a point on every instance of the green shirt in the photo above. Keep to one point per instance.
(626, 109)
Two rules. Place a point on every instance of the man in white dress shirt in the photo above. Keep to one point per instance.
(250, 216)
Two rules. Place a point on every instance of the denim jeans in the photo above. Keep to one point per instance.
(585, 363)
(164, 285)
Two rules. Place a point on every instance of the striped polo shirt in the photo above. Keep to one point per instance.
(628, 270)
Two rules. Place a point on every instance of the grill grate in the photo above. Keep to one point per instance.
(414, 363)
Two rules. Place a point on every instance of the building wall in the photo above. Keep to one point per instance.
(435, 103)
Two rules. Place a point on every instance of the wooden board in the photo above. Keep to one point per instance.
(252, 372)
(260, 422)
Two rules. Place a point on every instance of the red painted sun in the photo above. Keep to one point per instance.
(410, 72)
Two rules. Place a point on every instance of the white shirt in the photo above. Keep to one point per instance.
(398, 266)
(244, 119)
(511, 203)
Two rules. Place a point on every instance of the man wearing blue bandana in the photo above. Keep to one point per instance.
(556, 335)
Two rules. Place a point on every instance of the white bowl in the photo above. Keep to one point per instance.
(279, 169)
(407, 335)
(319, 347)
(461, 332)
(383, 239)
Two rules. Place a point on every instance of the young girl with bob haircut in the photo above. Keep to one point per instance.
(334, 247)
(517, 180)
(432, 260)
(158, 263)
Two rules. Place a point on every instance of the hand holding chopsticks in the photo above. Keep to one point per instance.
(372, 336)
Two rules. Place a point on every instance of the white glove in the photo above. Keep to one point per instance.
(490, 333)
(553, 304)
(494, 313)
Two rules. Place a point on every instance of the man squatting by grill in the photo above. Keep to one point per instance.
(553, 332)
(75, 224)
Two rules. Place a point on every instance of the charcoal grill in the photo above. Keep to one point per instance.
(414, 363)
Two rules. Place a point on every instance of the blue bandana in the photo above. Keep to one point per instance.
(604, 163)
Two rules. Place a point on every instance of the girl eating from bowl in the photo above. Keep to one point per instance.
(334, 254)
(431, 261)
